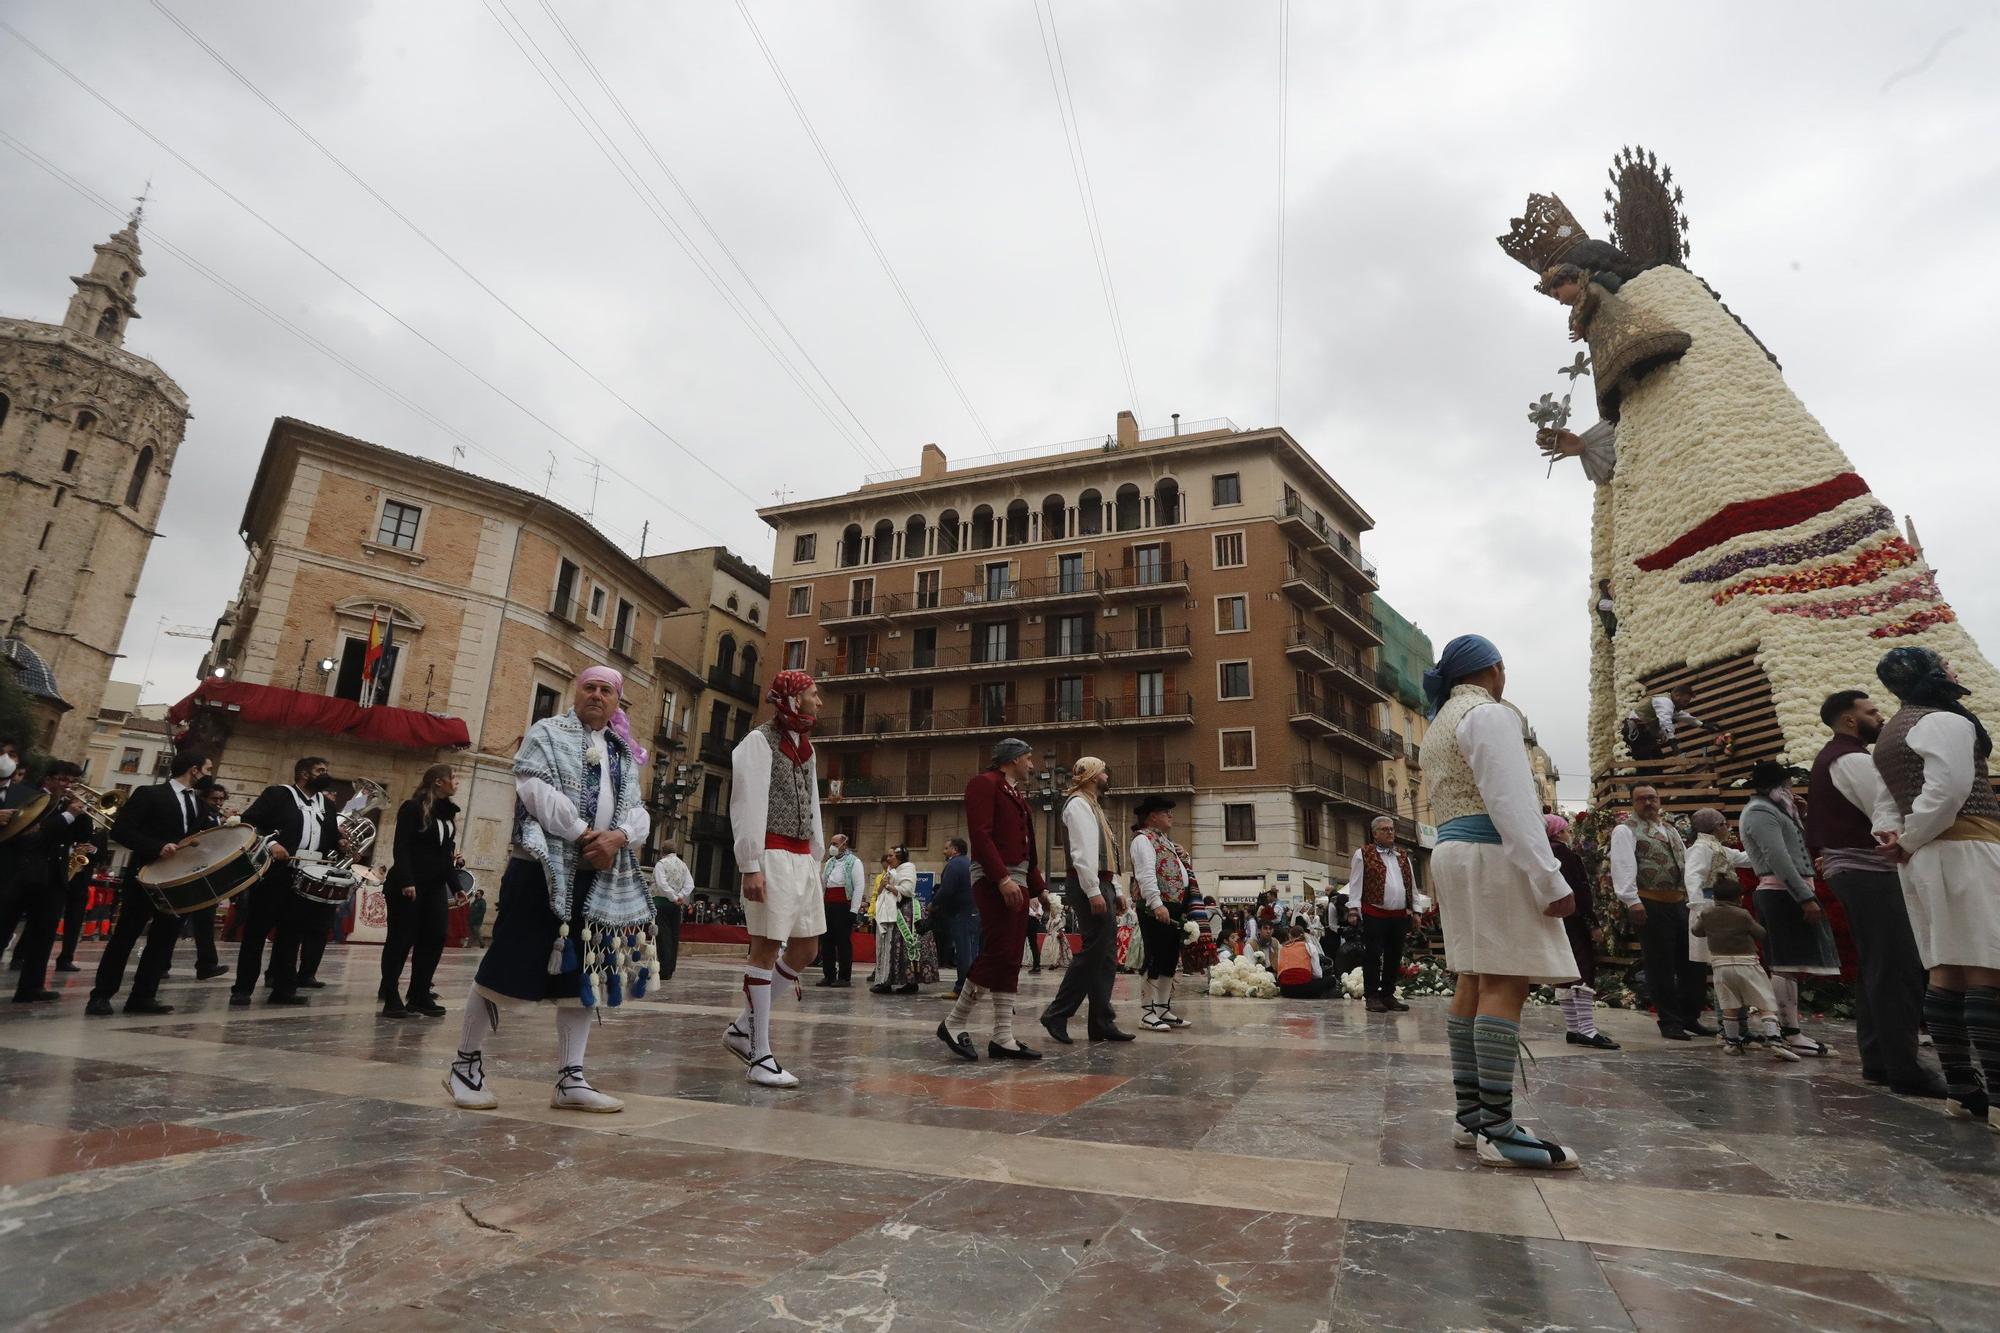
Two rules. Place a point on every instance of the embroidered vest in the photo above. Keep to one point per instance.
(1720, 871)
(1375, 877)
(1662, 862)
(794, 792)
(1169, 871)
(1453, 789)
(1902, 768)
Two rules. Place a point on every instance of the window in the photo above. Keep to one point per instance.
(1068, 636)
(1069, 699)
(398, 527)
(596, 602)
(547, 704)
(801, 601)
(994, 642)
(795, 654)
(927, 589)
(56, 503)
(1149, 564)
(564, 606)
(107, 324)
(5, 405)
(69, 460)
(622, 624)
(43, 544)
(1151, 630)
(993, 704)
(1232, 680)
(1239, 748)
(347, 682)
(916, 828)
(28, 585)
(128, 762)
(85, 420)
(1069, 573)
(861, 597)
(1239, 823)
(718, 720)
(1309, 831)
(917, 773)
(1227, 489)
(923, 647)
(805, 548)
(1151, 694)
(137, 486)
(1229, 550)
(998, 586)
(753, 615)
(922, 711)
(1232, 614)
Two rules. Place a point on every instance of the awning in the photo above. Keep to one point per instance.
(274, 706)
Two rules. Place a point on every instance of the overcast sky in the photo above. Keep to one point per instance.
(1841, 163)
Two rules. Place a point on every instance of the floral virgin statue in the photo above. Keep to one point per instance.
(1726, 520)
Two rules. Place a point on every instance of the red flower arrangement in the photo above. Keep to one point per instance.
(1916, 624)
(1762, 515)
(1923, 585)
(1870, 565)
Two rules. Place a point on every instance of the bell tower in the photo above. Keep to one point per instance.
(103, 303)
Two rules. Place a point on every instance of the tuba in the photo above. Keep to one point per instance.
(359, 830)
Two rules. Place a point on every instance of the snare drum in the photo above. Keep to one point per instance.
(327, 883)
(207, 867)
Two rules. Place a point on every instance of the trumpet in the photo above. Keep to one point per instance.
(99, 807)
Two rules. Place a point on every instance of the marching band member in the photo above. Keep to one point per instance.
(152, 824)
(575, 925)
(201, 924)
(418, 892)
(37, 868)
(296, 816)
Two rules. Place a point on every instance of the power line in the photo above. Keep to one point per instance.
(868, 232)
(278, 231)
(601, 139)
(1284, 171)
(1079, 168)
(646, 142)
(156, 240)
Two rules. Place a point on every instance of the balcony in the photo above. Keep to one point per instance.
(670, 737)
(1352, 671)
(858, 791)
(569, 610)
(1352, 611)
(1413, 754)
(1354, 564)
(1138, 711)
(1156, 576)
(1310, 648)
(710, 826)
(1406, 830)
(871, 610)
(1133, 644)
(1329, 719)
(1078, 586)
(1157, 775)
(739, 687)
(716, 748)
(1053, 650)
(625, 644)
(1307, 586)
(935, 723)
(1338, 787)
(1309, 713)
(1302, 523)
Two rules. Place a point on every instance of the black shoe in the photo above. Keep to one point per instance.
(289, 997)
(995, 1051)
(210, 973)
(68, 967)
(824, 981)
(238, 1000)
(428, 1008)
(1701, 1029)
(35, 996)
(1034, 969)
(910, 989)
(147, 1006)
(1933, 1091)
(1112, 1034)
(394, 1009)
(98, 1005)
(843, 984)
(961, 1045)
(1675, 1034)
(1057, 1028)
(882, 989)
(311, 983)
(1597, 1039)
(1395, 1004)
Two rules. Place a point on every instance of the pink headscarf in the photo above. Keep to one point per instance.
(620, 724)
(1555, 824)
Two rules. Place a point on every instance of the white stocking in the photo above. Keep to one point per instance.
(481, 1017)
(1003, 1020)
(572, 1035)
(757, 999)
(1786, 992)
(961, 1010)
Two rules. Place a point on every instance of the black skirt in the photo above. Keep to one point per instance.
(516, 963)
(1163, 940)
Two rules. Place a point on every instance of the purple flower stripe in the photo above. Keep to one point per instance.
(1836, 538)
(1923, 585)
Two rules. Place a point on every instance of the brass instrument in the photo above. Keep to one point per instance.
(331, 879)
(359, 830)
(100, 808)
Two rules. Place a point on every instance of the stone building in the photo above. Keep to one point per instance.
(497, 598)
(722, 635)
(130, 743)
(1189, 604)
(88, 435)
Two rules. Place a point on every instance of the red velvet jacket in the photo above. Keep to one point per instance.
(1001, 829)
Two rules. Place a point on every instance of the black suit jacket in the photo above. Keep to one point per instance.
(150, 819)
(38, 855)
(275, 812)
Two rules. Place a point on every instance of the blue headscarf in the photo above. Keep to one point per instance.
(1461, 657)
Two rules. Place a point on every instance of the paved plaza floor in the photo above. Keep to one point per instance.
(1284, 1165)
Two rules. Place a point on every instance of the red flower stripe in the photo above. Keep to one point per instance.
(1916, 624)
(1866, 568)
(1868, 604)
(1765, 515)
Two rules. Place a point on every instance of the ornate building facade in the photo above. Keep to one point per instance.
(88, 436)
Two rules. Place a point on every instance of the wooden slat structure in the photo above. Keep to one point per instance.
(1733, 695)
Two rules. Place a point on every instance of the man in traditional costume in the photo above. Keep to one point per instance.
(1382, 871)
(1840, 810)
(780, 840)
(575, 926)
(1501, 896)
(1161, 876)
(1093, 899)
(1005, 872)
(1710, 863)
(1649, 875)
(1939, 816)
(1798, 941)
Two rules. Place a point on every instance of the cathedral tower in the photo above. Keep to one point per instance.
(88, 435)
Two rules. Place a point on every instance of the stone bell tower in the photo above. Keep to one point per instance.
(88, 435)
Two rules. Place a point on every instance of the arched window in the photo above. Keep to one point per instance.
(1089, 514)
(107, 323)
(1166, 502)
(5, 404)
(982, 528)
(885, 542)
(732, 603)
(140, 469)
(914, 531)
(749, 668)
(1055, 512)
(947, 532)
(725, 655)
(86, 419)
(850, 546)
(1017, 522)
(753, 617)
(1125, 509)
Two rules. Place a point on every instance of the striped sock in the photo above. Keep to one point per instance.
(1585, 1000)
(1498, 1043)
(1944, 1015)
(1464, 1068)
(1982, 1028)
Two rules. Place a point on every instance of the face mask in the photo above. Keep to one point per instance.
(326, 782)
(7, 765)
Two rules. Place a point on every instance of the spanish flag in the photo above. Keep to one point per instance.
(373, 657)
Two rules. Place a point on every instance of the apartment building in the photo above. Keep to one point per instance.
(1190, 604)
(1402, 659)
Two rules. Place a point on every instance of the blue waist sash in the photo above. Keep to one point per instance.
(1470, 828)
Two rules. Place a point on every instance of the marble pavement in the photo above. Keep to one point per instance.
(1285, 1165)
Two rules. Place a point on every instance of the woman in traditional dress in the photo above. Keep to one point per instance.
(1799, 943)
(911, 954)
(1578, 1002)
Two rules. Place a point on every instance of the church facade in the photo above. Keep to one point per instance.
(88, 437)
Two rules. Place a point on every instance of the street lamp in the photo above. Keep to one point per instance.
(1045, 793)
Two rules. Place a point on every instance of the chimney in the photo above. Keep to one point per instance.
(934, 463)
(1128, 430)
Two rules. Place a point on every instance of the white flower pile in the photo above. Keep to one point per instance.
(1353, 986)
(1242, 978)
(1718, 427)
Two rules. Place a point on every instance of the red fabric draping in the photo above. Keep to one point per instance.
(275, 706)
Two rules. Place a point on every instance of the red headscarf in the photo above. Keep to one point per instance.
(794, 727)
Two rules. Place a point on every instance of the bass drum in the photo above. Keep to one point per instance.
(206, 868)
(462, 882)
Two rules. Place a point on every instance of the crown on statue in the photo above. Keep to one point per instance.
(1545, 232)
(1645, 213)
